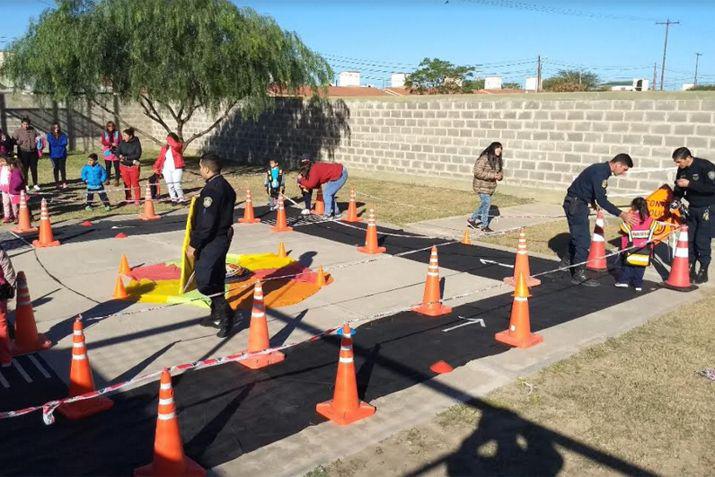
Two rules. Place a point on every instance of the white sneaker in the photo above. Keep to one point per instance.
(305, 212)
(36, 187)
(639, 289)
(621, 285)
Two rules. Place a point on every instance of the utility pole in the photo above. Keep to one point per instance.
(655, 77)
(538, 73)
(667, 24)
(697, 58)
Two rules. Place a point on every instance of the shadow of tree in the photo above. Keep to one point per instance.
(293, 127)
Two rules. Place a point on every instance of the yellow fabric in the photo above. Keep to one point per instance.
(187, 281)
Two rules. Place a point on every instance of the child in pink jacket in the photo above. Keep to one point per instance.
(637, 239)
(5, 190)
(17, 185)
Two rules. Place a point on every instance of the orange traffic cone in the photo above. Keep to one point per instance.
(431, 299)
(149, 213)
(169, 457)
(371, 246)
(124, 268)
(345, 407)
(282, 250)
(258, 335)
(679, 277)
(467, 238)
(597, 253)
(27, 339)
(352, 215)
(519, 333)
(46, 238)
(24, 224)
(319, 206)
(82, 381)
(281, 219)
(120, 293)
(248, 214)
(521, 264)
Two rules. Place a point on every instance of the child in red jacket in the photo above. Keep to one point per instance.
(639, 236)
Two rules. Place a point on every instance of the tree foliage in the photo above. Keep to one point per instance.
(435, 76)
(172, 57)
(571, 80)
(511, 86)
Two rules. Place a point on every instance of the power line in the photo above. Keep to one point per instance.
(667, 24)
(557, 11)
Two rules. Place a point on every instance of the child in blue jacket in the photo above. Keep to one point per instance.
(95, 176)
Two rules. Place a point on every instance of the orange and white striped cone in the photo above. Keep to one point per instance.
(345, 407)
(46, 238)
(597, 252)
(319, 205)
(81, 380)
(169, 458)
(467, 238)
(519, 332)
(24, 218)
(281, 219)
(27, 339)
(371, 245)
(679, 277)
(258, 334)
(149, 213)
(521, 264)
(352, 215)
(249, 216)
(431, 299)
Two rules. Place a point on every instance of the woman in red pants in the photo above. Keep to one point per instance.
(129, 153)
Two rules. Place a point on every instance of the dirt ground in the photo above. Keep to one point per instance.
(632, 405)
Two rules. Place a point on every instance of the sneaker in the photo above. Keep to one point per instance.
(487, 230)
(620, 285)
(639, 289)
(337, 216)
(88, 207)
(36, 187)
(305, 212)
(107, 208)
(472, 223)
(64, 185)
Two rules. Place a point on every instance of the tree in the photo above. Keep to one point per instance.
(511, 86)
(571, 80)
(435, 76)
(173, 58)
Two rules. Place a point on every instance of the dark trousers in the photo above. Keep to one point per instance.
(59, 168)
(102, 196)
(580, 238)
(307, 195)
(29, 161)
(700, 231)
(108, 165)
(632, 275)
(210, 269)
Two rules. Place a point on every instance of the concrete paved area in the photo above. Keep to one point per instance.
(78, 277)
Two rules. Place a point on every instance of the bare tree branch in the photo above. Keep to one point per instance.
(215, 123)
(156, 117)
(125, 121)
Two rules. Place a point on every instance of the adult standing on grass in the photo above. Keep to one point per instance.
(589, 189)
(331, 176)
(129, 153)
(111, 139)
(170, 164)
(695, 182)
(488, 169)
(57, 142)
(26, 139)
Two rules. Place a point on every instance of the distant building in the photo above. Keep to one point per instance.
(687, 86)
(636, 84)
(492, 82)
(349, 78)
(530, 84)
(397, 80)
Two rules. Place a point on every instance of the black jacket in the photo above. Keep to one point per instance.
(131, 150)
(701, 190)
(590, 186)
(213, 214)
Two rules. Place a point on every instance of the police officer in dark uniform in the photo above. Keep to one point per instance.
(695, 181)
(589, 189)
(211, 235)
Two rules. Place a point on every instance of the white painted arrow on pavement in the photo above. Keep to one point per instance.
(485, 261)
(470, 321)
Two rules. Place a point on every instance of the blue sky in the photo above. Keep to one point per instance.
(615, 39)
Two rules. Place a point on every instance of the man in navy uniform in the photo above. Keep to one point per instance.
(589, 189)
(210, 238)
(695, 181)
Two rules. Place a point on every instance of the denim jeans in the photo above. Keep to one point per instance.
(481, 213)
(330, 189)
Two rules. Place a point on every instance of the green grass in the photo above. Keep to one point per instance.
(395, 203)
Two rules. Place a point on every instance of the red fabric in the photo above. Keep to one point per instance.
(160, 271)
(130, 176)
(176, 147)
(320, 173)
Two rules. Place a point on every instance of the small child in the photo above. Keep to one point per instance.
(95, 176)
(274, 183)
(16, 187)
(5, 190)
(40, 144)
(635, 261)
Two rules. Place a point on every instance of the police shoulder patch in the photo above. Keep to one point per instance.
(207, 202)
(696, 177)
